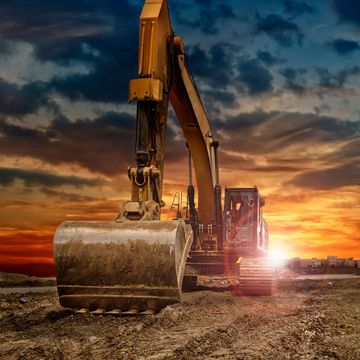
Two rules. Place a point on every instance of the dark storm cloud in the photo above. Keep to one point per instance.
(296, 8)
(58, 29)
(322, 108)
(204, 2)
(103, 145)
(222, 96)
(39, 178)
(348, 10)
(344, 175)
(21, 100)
(257, 78)
(66, 195)
(214, 66)
(338, 79)
(102, 34)
(267, 133)
(348, 151)
(111, 71)
(284, 32)
(274, 136)
(5, 47)
(208, 16)
(343, 46)
(267, 58)
(294, 79)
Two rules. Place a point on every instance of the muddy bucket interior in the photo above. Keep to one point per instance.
(125, 265)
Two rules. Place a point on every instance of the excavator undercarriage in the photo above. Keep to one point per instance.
(138, 263)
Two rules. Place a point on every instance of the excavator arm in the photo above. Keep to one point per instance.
(164, 75)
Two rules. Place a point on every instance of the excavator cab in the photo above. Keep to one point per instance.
(245, 227)
(242, 258)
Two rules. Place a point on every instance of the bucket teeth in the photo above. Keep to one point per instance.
(147, 312)
(98, 312)
(130, 312)
(82, 311)
(117, 312)
(114, 312)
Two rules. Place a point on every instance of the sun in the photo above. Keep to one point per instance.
(278, 255)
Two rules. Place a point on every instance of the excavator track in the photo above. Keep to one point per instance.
(256, 277)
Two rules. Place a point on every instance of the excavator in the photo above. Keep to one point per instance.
(137, 263)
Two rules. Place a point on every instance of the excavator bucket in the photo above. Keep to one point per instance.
(128, 266)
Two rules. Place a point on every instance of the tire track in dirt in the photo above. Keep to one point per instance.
(249, 325)
(302, 321)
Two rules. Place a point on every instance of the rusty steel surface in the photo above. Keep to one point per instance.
(120, 265)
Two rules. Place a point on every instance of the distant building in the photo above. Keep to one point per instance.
(340, 262)
(349, 262)
(311, 263)
(304, 263)
(329, 262)
(332, 261)
(296, 262)
(317, 262)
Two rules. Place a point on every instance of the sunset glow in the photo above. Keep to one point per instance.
(281, 91)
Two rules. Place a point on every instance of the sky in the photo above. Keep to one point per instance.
(280, 81)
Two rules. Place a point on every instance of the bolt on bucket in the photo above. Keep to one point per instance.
(121, 265)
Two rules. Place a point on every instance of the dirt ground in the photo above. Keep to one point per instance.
(306, 319)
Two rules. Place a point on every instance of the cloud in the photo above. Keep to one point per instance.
(204, 2)
(267, 58)
(214, 66)
(322, 152)
(21, 100)
(39, 178)
(336, 80)
(58, 29)
(347, 10)
(284, 32)
(111, 70)
(254, 76)
(207, 18)
(104, 145)
(103, 35)
(66, 196)
(275, 133)
(322, 108)
(349, 151)
(27, 252)
(336, 177)
(343, 46)
(222, 96)
(294, 79)
(296, 8)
